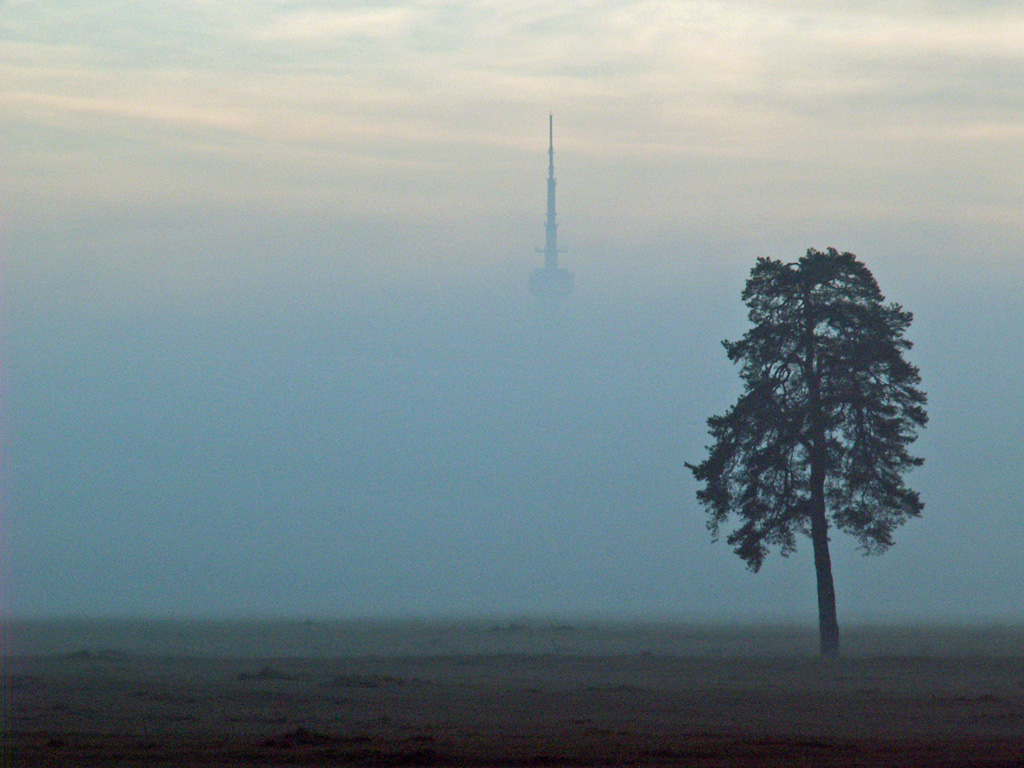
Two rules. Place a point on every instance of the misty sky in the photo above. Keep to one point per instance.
(267, 347)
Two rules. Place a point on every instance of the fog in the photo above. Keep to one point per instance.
(405, 448)
(267, 343)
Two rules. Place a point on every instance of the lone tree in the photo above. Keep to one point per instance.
(819, 436)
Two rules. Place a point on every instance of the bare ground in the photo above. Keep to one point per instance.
(514, 709)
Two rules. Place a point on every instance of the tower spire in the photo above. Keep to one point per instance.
(551, 146)
(551, 283)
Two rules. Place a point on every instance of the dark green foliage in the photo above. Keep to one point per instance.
(829, 409)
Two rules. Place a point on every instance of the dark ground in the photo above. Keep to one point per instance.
(117, 708)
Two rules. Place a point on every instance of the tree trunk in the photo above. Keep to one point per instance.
(828, 623)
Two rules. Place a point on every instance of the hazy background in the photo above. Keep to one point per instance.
(267, 347)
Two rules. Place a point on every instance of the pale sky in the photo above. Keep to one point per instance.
(753, 124)
(196, 192)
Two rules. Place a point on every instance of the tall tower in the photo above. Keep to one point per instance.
(551, 283)
(551, 225)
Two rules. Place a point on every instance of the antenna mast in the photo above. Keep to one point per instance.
(551, 229)
(551, 283)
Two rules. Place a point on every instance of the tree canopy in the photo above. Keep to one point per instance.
(820, 435)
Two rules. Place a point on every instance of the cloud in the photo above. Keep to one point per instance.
(922, 34)
(306, 26)
(670, 116)
(179, 114)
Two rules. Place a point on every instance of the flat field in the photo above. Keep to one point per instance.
(507, 695)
